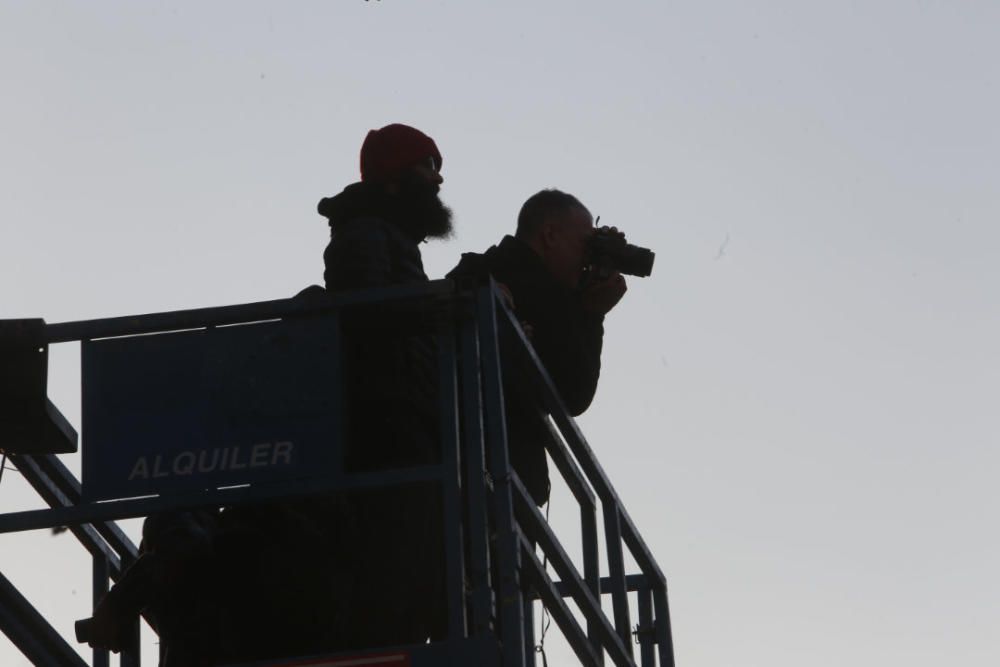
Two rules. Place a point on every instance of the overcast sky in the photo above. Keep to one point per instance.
(798, 408)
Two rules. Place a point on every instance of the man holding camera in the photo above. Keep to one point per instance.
(544, 267)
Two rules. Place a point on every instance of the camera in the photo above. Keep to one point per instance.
(608, 252)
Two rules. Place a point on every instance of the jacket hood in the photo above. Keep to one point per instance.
(356, 200)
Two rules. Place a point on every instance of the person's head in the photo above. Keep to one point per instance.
(557, 226)
(406, 163)
(398, 153)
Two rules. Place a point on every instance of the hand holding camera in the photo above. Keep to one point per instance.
(603, 293)
(609, 255)
(608, 252)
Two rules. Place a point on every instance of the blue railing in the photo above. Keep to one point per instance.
(493, 530)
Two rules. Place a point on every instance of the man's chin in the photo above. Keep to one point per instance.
(420, 209)
(440, 225)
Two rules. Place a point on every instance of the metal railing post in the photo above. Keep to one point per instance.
(131, 655)
(511, 608)
(473, 450)
(101, 575)
(451, 493)
(591, 566)
(645, 633)
(664, 637)
(529, 628)
(616, 569)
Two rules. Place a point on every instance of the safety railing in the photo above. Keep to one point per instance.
(586, 480)
(492, 529)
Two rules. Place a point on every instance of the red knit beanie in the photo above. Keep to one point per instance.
(388, 151)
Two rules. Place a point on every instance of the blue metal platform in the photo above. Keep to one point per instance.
(259, 427)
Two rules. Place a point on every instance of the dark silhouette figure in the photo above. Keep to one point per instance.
(341, 571)
(390, 372)
(378, 581)
(542, 267)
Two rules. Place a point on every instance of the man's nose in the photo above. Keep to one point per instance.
(437, 178)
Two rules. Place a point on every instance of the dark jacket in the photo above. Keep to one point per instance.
(567, 339)
(388, 371)
(370, 244)
(391, 575)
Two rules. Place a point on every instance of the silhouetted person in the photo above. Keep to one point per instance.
(542, 267)
(338, 571)
(380, 580)
(390, 373)
(376, 226)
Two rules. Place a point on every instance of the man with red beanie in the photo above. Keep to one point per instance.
(327, 573)
(376, 226)
(377, 223)
(395, 559)
(389, 151)
(381, 578)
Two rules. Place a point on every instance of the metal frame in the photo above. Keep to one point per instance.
(585, 476)
(492, 527)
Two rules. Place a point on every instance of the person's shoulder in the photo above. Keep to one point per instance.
(312, 295)
(510, 261)
(491, 257)
(471, 264)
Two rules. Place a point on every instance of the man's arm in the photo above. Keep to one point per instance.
(568, 341)
(573, 339)
(567, 329)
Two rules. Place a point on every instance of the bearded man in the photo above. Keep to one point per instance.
(366, 567)
(376, 226)
(377, 223)
(333, 572)
(363, 569)
(390, 374)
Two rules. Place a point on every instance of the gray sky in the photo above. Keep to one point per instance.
(798, 407)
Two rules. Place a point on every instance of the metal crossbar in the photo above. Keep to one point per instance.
(491, 525)
(31, 633)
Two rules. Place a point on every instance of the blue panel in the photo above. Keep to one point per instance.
(215, 407)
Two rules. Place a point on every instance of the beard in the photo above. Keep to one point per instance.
(419, 210)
